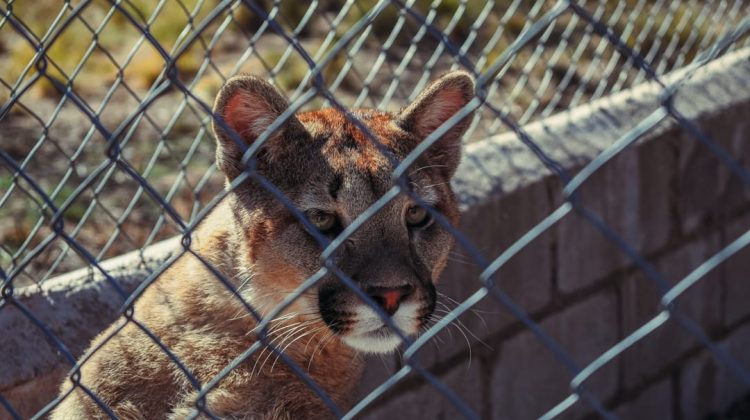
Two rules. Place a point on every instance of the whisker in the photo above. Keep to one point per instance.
(461, 327)
(276, 323)
(300, 336)
(278, 355)
(435, 338)
(426, 167)
(287, 335)
(459, 261)
(453, 324)
(323, 327)
(455, 256)
(473, 310)
(321, 347)
(436, 184)
(444, 312)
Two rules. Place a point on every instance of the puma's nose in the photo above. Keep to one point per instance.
(389, 298)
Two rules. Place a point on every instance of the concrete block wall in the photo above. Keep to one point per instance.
(667, 196)
(670, 199)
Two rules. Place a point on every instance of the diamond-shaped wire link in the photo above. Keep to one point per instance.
(107, 144)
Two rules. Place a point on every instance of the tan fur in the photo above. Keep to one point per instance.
(317, 159)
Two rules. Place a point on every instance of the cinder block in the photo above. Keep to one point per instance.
(736, 271)
(698, 183)
(27, 353)
(708, 386)
(526, 278)
(424, 401)
(377, 370)
(655, 402)
(527, 380)
(657, 170)
(632, 195)
(706, 186)
(640, 303)
(584, 255)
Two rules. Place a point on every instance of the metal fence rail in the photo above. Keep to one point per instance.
(106, 143)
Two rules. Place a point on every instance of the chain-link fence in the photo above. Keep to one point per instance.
(108, 147)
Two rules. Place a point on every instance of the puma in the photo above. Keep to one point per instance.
(332, 172)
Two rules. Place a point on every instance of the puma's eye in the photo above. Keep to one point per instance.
(324, 222)
(417, 217)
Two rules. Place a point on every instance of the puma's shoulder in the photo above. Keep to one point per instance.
(310, 177)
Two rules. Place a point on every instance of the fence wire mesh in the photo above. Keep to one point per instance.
(107, 144)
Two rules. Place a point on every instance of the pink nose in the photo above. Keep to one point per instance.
(389, 298)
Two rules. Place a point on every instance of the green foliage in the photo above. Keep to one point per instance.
(118, 43)
(96, 43)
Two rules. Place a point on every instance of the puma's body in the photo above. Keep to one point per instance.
(332, 172)
(202, 324)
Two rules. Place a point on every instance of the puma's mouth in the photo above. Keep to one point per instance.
(361, 327)
(381, 340)
(367, 332)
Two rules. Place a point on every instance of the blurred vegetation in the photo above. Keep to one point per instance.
(99, 43)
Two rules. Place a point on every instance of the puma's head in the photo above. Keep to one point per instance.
(332, 172)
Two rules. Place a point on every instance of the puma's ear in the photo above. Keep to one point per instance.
(248, 105)
(435, 105)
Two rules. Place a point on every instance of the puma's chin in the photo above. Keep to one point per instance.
(369, 334)
(382, 340)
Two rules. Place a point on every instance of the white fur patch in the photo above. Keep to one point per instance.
(256, 111)
(370, 335)
(429, 195)
(368, 344)
(261, 124)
